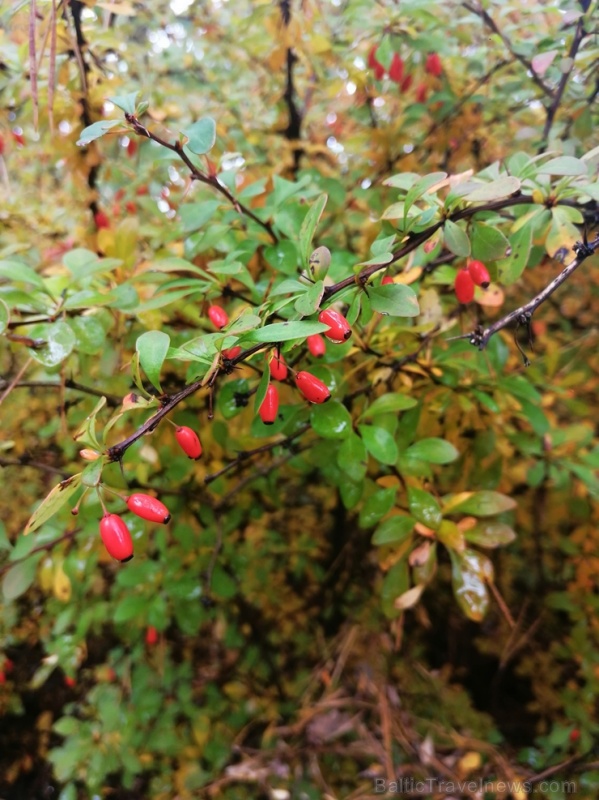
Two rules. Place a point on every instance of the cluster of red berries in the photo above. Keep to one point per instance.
(474, 274)
(432, 66)
(116, 535)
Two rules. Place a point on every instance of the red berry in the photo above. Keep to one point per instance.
(574, 735)
(1, 145)
(339, 330)
(396, 68)
(278, 368)
(218, 316)
(131, 207)
(68, 681)
(141, 190)
(316, 345)
(101, 220)
(151, 636)
(406, 83)
(148, 508)
(8, 665)
(464, 286)
(421, 93)
(232, 352)
(312, 389)
(17, 135)
(387, 280)
(116, 537)
(2, 677)
(374, 64)
(270, 405)
(131, 148)
(433, 65)
(189, 442)
(119, 195)
(479, 274)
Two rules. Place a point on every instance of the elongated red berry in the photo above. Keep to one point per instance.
(218, 316)
(339, 330)
(116, 537)
(406, 83)
(232, 352)
(387, 280)
(101, 220)
(479, 274)
(374, 64)
(316, 345)
(189, 442)
(433, 65)
(151, 636)
(464, 286)
(270, 405)
(312, 389)
(148, 508)
(278, 368)
(421, 93)
(396, 68)
(70, 682)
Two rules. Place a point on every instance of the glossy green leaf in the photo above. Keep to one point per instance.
(351, 493)
(379, 443)
(389, 404)
(309, 302)
(20, 577)
(152, 348)
(285, 331)
(481, 504)
(470, 572)
(126, 102)
(308, 228)
(331, 420)
(433, 450)
(131, 607)
(4, 316)
(352, 457)
(283, 257)
(424, 507)
(96, 130)
(59, 342)
(201, 136)
(394, 530)
(495, 190)
(394, 299)
(420, 188)
(564, 165)
(58, 497)
(233, 397)
(92, 473)
(511, 268)
(456, 240)
(490, 533)
(379, 503)
(86, 433)
(488, 242)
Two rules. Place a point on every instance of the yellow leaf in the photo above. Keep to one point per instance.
(468, 763)
(61, 584)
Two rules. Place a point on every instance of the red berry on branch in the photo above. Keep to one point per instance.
(101, 220)
(574, 735)
(131, 148)
(151, 636)
(131, 207)
(70, 682)
(396, 68)
(8, 665)
(218, 316)
(278, 368)
(2, 677)
(116, 537)
(433, 65)
(316, 345)
(374, 64)
(387, 280)
(189, 442)
(479, 274)
(406, 83)
(232, 352)
(313, 389)
(464, 286)
(339, 330)
(270, 405)
(142, 190)
(421, 93)
(148, 507)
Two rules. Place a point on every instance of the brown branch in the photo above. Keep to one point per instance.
(490, 23)
(111, 399)
(522, 315)
(25, 462)
(198, 175)
(40, 549)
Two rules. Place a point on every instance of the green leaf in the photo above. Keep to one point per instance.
(495, 190)
(20, 273)
(201, 136)
(456, 240)
(152, 348)
(309, 301)
(564, 165)
(433, 450)
(470, 572)
(331, 420)
(395, 299)
(262, 387)
(488, 243)
(285, 331)
(20, 577)
(420, 188)
(480, 504)
(59, 342)
(92, 474)
(376, 506)
(388, 404)
(379, 443)
(490, 533)
(126, 102)
(511, 268)
(283, 257)
(308, 228)
(352, 457)
(96, 130)
(58, 497)
(395, 584)
(131, 607)
(86, 433)
(424, 507)
(394, 530)
(233, 397)
(4, 316)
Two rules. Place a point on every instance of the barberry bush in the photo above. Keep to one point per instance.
(299, 369)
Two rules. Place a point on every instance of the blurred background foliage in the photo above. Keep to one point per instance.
(289, 634)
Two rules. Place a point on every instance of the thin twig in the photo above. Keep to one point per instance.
(15, 380)
(24, 462)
